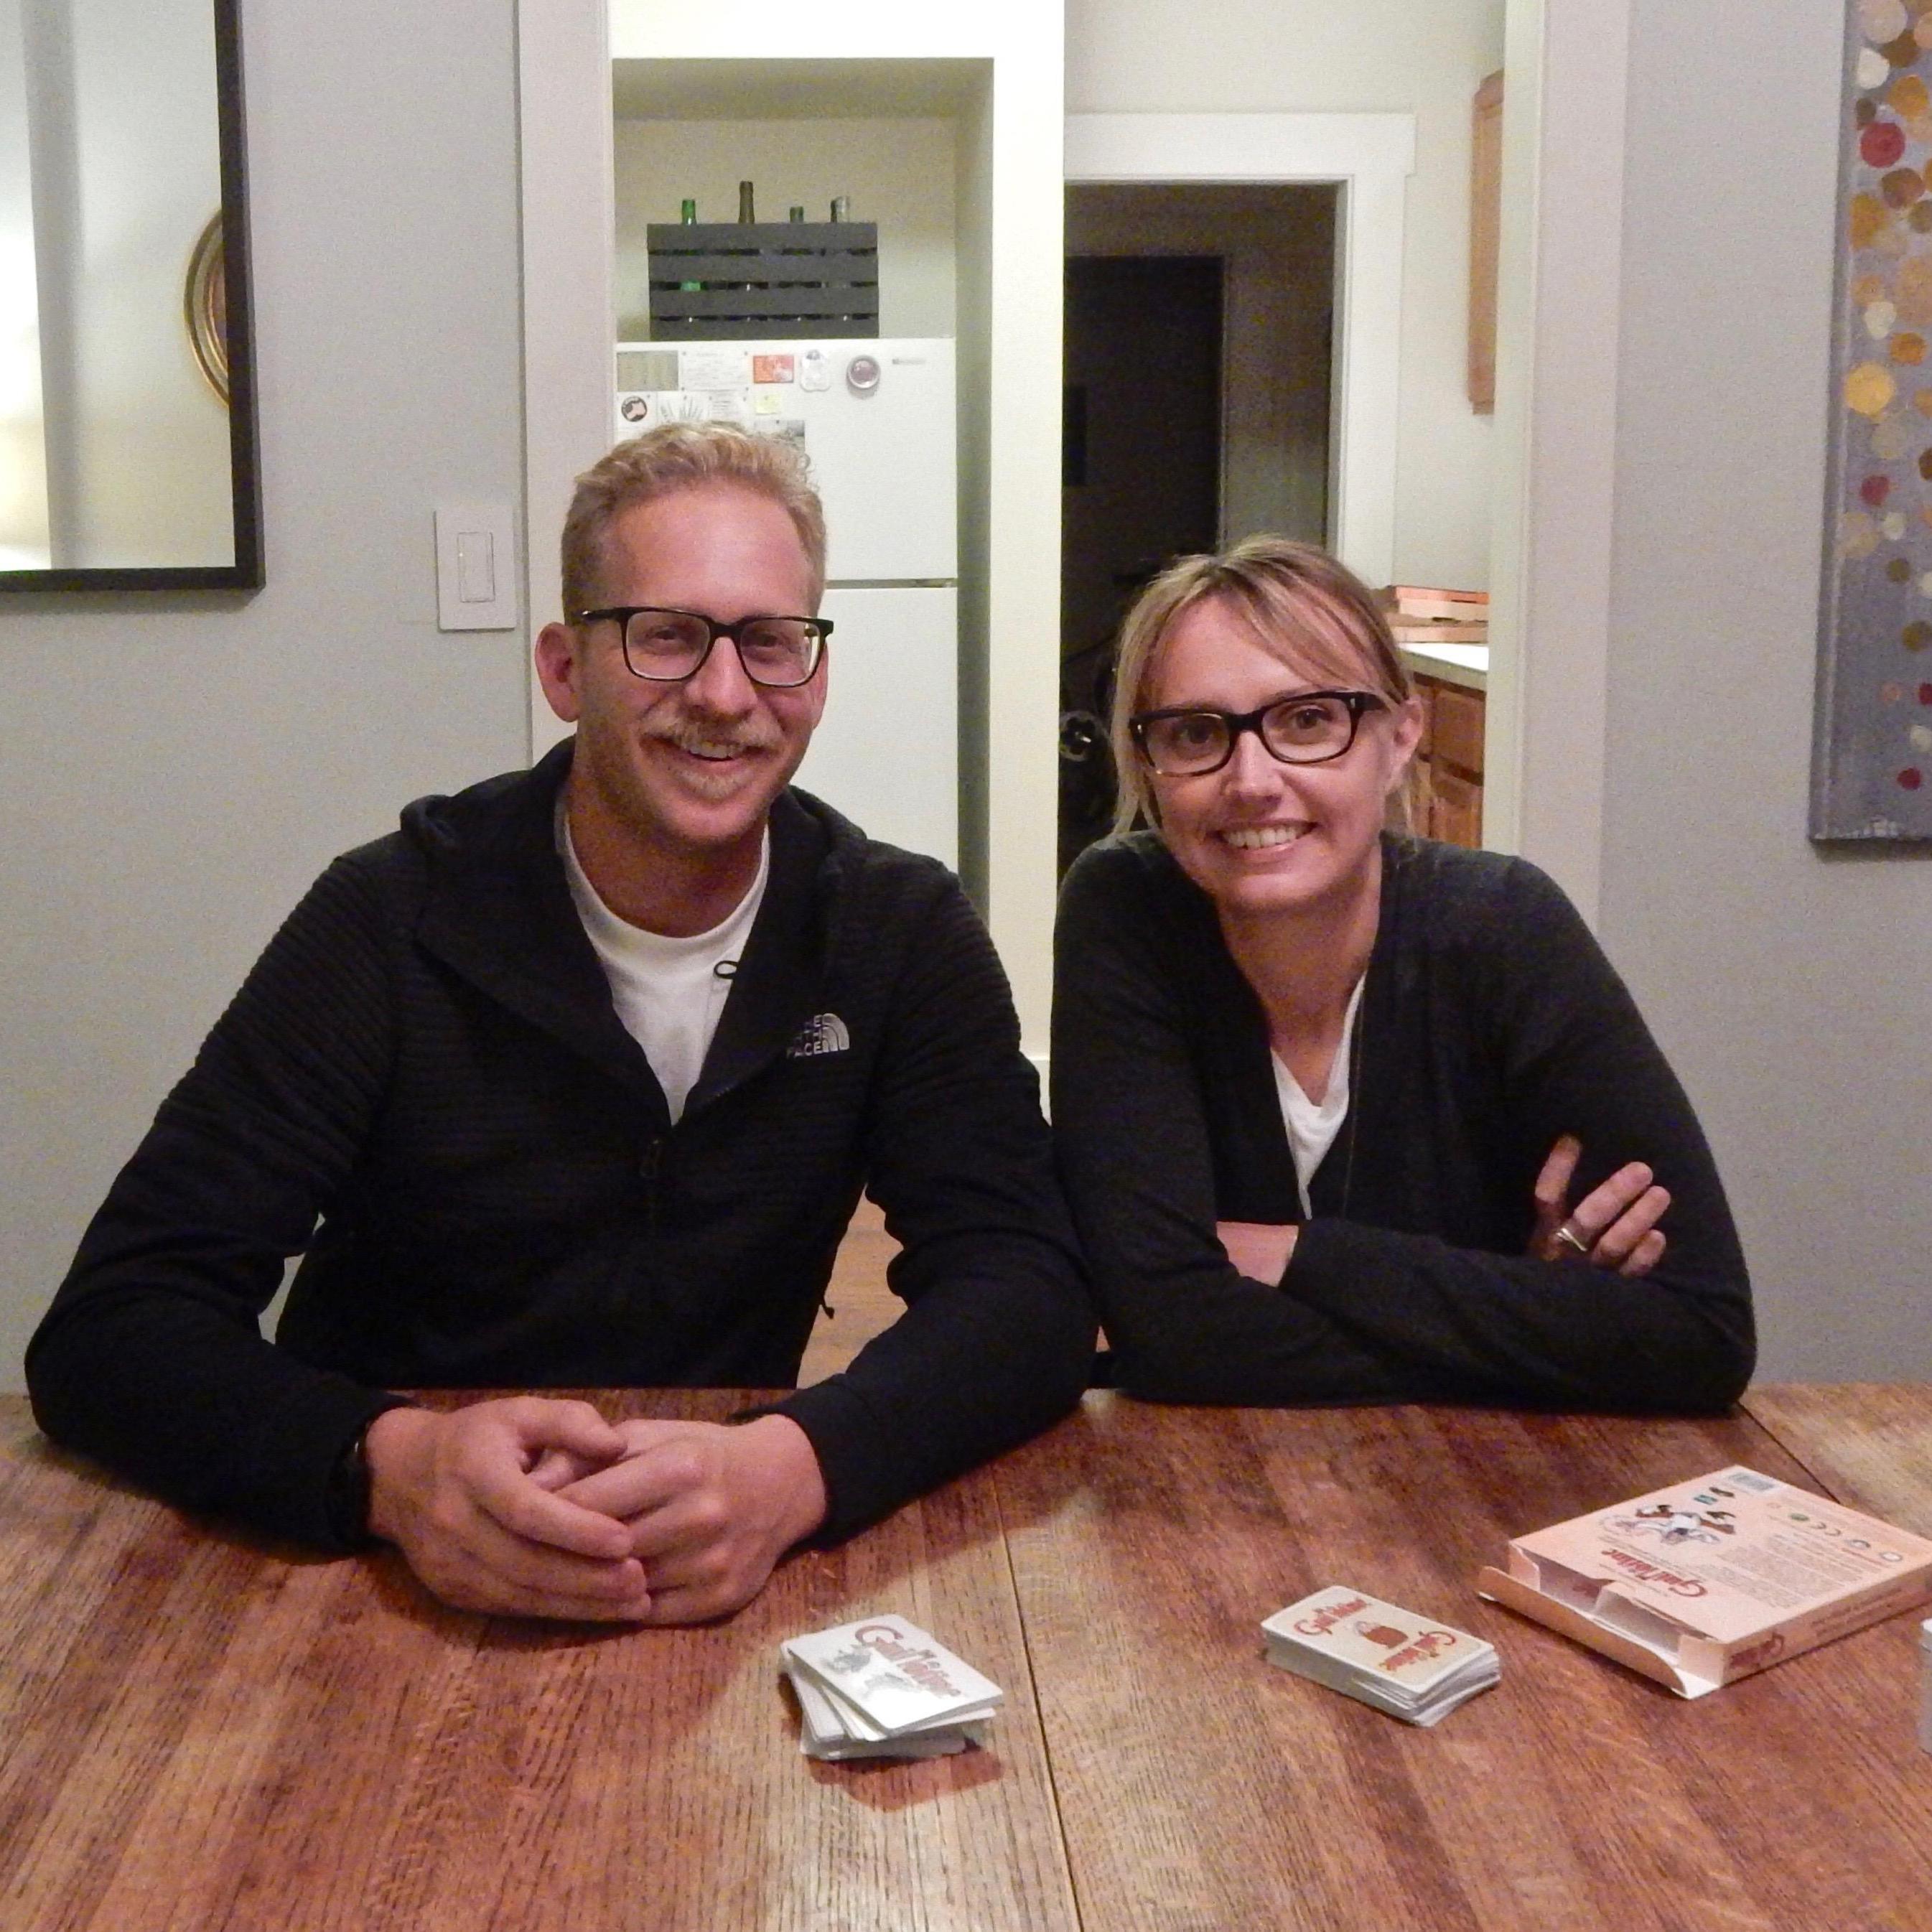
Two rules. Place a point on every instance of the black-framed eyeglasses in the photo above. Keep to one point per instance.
(668, 646)
(1310, 728)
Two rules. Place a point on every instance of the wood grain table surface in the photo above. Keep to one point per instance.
(1200, 1787)
(200, 1732)
(1869, 1443)
(197, 1733)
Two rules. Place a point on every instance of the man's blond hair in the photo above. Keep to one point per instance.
(685, 456)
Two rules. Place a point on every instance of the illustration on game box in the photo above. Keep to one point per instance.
(1704, 1582)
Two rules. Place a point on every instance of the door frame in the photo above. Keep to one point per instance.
(567, 191)
(1559, 301)
(1369, 157)
(1011, 62)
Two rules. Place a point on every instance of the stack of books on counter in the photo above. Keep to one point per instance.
(1420, 613)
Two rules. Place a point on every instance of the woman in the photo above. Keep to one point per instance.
(1343, 1113)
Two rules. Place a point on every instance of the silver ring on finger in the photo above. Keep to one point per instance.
(1567, 1236)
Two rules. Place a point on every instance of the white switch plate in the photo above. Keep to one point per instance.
(475, 568)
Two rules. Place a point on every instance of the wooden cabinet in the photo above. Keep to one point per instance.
(1455, 808)
(1448, 798)
(1455, 728)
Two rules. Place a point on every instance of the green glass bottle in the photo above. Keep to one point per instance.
(687, 214)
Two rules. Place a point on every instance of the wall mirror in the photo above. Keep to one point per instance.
(128, 450)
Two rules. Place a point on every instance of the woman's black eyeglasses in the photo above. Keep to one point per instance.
(1310, 728)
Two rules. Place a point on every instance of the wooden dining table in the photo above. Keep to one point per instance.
(201, 1730)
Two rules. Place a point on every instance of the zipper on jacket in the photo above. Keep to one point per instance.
(650, 1171)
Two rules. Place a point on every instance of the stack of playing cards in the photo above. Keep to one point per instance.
(881, 1687)
(1412, 1667)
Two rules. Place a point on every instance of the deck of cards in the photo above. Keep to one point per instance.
(1412, 1667)
(882, 1688)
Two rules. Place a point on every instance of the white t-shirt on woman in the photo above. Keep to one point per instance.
(1312, 1125)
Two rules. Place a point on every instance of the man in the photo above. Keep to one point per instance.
(574, 1081)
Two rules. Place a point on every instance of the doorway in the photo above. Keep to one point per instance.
(1140, 481)
(1199, 324)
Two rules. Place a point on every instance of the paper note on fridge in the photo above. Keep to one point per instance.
(1704, 1582)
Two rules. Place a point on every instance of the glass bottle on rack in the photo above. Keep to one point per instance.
(687, 215)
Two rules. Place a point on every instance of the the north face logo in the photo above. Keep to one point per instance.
(823, 1032)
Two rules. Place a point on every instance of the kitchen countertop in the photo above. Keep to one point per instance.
(1466, 664)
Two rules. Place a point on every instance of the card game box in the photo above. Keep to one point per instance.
(1705, 1582)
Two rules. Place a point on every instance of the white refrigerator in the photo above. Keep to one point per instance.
(876, 417)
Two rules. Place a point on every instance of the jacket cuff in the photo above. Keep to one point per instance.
(312, 1509)
(853, 1456)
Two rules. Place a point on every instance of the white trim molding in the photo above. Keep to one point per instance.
(563, 112)
(1560, 296)
(1370, 156)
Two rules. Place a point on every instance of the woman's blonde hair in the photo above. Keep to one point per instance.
(1315, 614)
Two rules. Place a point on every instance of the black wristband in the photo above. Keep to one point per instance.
(346, 1500)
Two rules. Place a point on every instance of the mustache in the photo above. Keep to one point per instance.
(748, 734)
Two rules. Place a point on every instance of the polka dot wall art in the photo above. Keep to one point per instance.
(1871, 776)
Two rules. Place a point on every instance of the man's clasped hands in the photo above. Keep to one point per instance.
(529, 1505)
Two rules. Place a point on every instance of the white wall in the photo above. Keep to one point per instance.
(898, 173)
(1424, 57)
(174, 770)
(1792, 989)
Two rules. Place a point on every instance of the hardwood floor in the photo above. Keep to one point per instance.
(861, 1304)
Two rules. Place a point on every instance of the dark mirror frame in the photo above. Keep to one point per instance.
(245, 572)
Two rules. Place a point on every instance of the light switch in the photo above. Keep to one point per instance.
(476, 567)
(475, 576)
